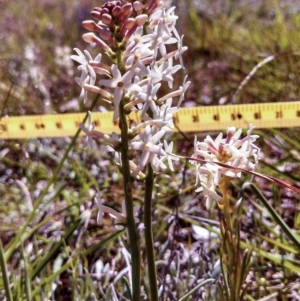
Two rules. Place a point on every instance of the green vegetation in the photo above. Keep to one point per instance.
(52, 246)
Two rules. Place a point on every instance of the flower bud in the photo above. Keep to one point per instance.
(141, 19)
(96, 14)
(230, 132)
(105, 11)
(92, 38)
(154, 4)
(125, 12)
(116, 11)
(137, 6)
(91, 26)
(89, 38)
(129, 23)
(106, 19)
(98, 90)
(105, 34)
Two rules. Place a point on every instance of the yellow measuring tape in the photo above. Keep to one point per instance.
(196, 119)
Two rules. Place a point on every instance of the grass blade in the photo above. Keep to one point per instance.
(5, 277)
(274, 214)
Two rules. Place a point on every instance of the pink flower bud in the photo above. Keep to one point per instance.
(88, 37)
(96, 15)
(125, 12)
(154, 4)
(141, 19)
(92, 38)
(137, 6)
(230, 132)
(98, 90)
(91, 26)
(106, 19)
(105, 34)
(130, 22)
(105, 11)
(116, 11)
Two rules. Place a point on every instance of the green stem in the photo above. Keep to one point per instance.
(149, 235)
(127, 183)
(227, 206)
(229, 247)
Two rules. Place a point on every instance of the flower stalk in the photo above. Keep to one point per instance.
(230, 247)
(218, 163)
(149, 181)
(134, 240)
(135, 37)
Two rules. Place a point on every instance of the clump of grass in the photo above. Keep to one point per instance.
(229, 45)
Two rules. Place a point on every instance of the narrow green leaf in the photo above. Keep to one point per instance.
(71, 262)
(206, 281)
(274, 214)
(277, 243)
(286, 138)
(4, 272)
(52, 277)
(275, 258)
(54, 249)
(19, 237)
(27, 270)
(103, 243)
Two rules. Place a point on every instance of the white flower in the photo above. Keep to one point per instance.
(102, 209)
(166, 69)
(81, 81)
(167, 111)
(88, 129)
(209, 193)
(183, 90)
(158, 38)
(163, 114)
(120, 217)
(150, 147)
(168, 18)
(231, 151)
(88, 74)
(149, 97)
(138, 57)
(140, 62)
(120, 83)
(169, 154)
(180, 51)
(88, 141)
(180, 92)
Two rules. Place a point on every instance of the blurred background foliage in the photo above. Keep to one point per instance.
(226, 40)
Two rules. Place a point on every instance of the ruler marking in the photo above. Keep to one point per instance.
(176, 118)
(205, 118)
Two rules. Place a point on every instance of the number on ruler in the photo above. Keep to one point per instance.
(257, 115)
(195, 118)
(39, 126)
(216, 117)
(235, 116)
(2, 128)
